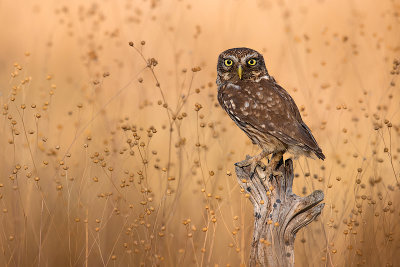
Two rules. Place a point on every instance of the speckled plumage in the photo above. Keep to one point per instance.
(262, 108)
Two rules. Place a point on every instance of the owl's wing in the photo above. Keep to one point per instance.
(312, 143)
(268, 108)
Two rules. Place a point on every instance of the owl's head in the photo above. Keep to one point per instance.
(240, 64)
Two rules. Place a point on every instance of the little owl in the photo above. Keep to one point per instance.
(262, 108)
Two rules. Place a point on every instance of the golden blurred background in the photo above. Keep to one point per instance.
(117, 154)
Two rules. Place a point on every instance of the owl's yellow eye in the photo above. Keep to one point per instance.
(228, 62)
(252, 62)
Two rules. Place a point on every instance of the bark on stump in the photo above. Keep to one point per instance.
(279, 213)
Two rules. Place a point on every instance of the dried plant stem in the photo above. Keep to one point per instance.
(86, 240)
(279, 213)
(40, 234)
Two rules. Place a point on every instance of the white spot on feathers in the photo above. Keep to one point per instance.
(233, 104)
(234, 86)
(266, 77)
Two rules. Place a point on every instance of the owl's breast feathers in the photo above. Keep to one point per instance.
(266, 108)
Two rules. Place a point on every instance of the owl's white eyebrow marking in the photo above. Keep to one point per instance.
(244, 59)
(235, 59)
(234, 86)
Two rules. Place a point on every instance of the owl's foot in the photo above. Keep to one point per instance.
(274, 164)
(252, 161)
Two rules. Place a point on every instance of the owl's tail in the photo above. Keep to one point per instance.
(319, 154)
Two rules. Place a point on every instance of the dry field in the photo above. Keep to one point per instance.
(117, 154)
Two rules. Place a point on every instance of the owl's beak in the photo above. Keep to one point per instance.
(240, 71)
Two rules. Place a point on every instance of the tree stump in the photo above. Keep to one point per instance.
(279, 213)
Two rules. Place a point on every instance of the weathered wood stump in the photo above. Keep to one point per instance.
(279, 213)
